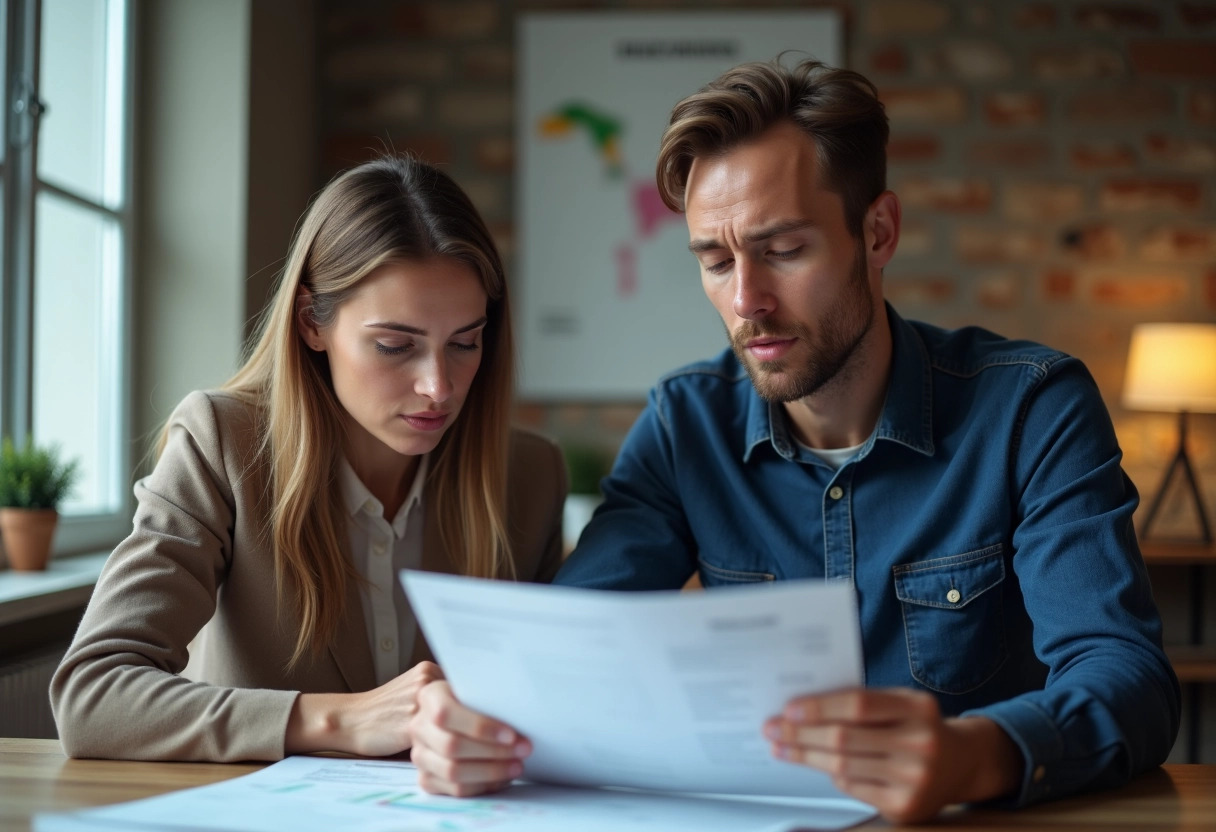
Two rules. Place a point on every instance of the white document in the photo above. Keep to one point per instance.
(648, 690)
(329, 794)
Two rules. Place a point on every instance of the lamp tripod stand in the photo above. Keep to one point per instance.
(1181, 459)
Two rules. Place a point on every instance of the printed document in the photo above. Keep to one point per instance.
(332, 794)
(658, 696)
(648, 690)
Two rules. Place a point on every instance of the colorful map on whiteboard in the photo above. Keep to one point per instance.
(608, 298)
(644, 202)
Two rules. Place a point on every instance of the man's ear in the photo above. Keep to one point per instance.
(881, 229)
(305, 325)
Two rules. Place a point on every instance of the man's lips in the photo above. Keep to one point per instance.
(769, 348)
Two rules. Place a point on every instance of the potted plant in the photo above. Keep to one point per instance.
(32, 483)
(586, 465)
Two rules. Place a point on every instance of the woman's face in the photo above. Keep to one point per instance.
(403, 350)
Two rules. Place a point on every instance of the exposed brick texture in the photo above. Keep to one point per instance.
(1101, 155)
(924, 105)
(1177, 58)
(1014, 153)
(1099, 241)
(1145, 194)
(1107, 16)
(1072, 62)
(1056, 161)
(1121, 104)
(917, 148)
(946, 195)
(1012, 109)
(905, 17)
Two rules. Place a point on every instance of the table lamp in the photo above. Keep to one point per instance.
(1172, 367)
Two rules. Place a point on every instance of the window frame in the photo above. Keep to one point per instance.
(20, 121)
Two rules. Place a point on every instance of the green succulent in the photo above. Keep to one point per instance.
(32, 476)
(586, 465)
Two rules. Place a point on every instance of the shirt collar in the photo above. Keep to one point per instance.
(359, 499)
(907, 411)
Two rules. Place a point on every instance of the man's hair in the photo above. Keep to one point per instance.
(837, 108)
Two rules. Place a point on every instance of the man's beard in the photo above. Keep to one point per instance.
(841, 330)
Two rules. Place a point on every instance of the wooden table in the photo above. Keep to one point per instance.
(36, 777)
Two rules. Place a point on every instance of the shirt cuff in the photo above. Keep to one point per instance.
(1035, 733)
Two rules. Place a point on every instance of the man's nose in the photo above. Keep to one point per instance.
(753, 297)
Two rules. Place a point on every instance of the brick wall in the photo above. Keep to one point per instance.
(1056, 161)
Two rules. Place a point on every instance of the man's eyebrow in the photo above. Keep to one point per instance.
(779, 227)
(413, 330)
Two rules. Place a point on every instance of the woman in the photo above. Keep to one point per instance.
(254, 611)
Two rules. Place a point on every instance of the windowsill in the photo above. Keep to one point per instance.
(66, 583)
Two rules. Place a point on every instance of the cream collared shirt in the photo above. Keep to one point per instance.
(380, 550)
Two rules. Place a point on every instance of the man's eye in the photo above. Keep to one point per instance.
(719, 267)
(787, 255)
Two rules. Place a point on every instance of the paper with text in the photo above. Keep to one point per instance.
(326, 794)
(650, 690)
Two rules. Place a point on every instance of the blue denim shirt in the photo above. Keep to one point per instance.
(993, 473)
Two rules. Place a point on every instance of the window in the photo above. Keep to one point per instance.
(66, 243)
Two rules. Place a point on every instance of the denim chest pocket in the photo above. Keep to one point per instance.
(712, 575)
(953, 619)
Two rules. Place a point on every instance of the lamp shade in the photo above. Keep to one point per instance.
(1172, 367)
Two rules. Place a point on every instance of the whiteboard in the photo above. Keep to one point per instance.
(608, 298)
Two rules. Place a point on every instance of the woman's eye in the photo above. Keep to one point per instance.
(466, 347)
(384, 349)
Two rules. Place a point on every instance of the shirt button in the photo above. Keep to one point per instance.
(836, 492)
(953, 596)
(379, 548)
(369, 507)
(387, 644)
(1039, 774)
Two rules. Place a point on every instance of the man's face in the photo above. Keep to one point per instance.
(778, 263)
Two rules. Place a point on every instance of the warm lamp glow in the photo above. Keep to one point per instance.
(1172, 367)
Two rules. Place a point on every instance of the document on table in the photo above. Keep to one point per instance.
(649, 690)
(329, 794)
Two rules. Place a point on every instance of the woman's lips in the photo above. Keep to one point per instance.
(426, 421)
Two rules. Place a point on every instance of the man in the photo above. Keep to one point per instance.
(968, 486)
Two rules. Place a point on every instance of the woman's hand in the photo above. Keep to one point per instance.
(892, 749)
(373, 724)
(459, 751)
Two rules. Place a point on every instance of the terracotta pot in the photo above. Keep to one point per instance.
(27, 536)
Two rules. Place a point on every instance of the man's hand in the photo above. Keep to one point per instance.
(459, 751)
(892, 749)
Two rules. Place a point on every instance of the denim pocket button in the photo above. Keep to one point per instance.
(948, 602)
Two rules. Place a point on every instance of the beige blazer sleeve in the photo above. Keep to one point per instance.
(182, 653)
(119, 691)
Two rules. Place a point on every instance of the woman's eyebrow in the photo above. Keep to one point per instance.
(413, 330)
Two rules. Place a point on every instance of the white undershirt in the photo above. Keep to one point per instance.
(834, 457)
(379, 550)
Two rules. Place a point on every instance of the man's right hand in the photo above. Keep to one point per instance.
(460, 752)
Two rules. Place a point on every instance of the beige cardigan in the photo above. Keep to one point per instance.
(181, 654)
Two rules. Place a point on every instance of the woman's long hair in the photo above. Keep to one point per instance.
(392, 209)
